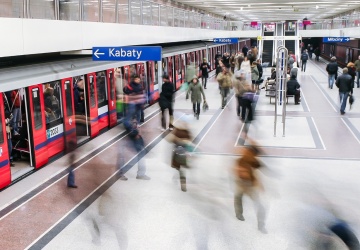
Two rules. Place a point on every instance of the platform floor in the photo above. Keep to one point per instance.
(315, 165)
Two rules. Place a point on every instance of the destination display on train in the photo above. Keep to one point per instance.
(226, 40)
(336, 39)
(127, 53)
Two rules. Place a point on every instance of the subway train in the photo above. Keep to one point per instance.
(47, 105)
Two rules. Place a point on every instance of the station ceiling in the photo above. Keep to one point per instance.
(278, 10)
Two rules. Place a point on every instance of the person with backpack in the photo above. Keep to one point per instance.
(332, 69)
(304, 58)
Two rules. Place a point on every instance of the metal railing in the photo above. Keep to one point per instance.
(142, 12)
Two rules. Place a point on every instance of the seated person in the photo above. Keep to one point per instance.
(293, 88)
(273, 74)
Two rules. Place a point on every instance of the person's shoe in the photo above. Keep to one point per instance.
(72, 186)
(205, 88)
(240, 217)
(183, 188)
(16, 133)
(162, 129)
(197, 116)
(143, 177)
(171, 128)
(343, 113)
(123, 178)
(297, 103)
(12, 164)
(263, 230)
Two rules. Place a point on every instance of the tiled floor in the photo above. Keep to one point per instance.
(312, 168)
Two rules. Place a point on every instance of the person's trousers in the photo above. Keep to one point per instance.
(297, 96)
(131, 111)
(253, 193)
(303, 66)
(182, 179)
(358, 76)
(16, 119)
(246, 106)
(331, 79)
(224, 94)
(140, 148)
(196, 108)
(71, 177)
(343, 98)
(204, 81)
(239, 102)
(163, 118)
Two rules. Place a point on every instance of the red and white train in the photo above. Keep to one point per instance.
(49, 117)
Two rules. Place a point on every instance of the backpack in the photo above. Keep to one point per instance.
(179, 154)
(304, 57)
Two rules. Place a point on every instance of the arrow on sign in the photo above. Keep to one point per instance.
(96, 53)
(347, 39)
(215, 40)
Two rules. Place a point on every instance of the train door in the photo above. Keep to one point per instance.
(170, 68)
(197, 58)
(153, 86)
(187, 59)
(90, 83)
(111, 88)
(68, 111)
(37, 126)
(156, 81)
(82, 121)
(5, 172)
(183, 68)
(142, 72)
(101, 86)
(177, 71)
(211, 58)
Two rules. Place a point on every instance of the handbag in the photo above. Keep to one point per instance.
(180, 155)
(260, 81)
(351, 100)
(205, 106)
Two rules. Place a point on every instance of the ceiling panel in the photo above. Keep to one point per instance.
(279, 10)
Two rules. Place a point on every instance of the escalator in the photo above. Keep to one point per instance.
(290, 44)
(267, 55)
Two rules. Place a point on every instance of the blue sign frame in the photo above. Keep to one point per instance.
(336, 39)
(127, 53)
(226, 40)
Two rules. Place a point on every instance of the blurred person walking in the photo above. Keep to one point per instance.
(166, 102)
(232, 62)
(135, 100)
(224, 80)
(195, 90)
(254, 76)
(351, 71)
(304, 58)
(241, 86)
(181, 138)
(247, 183)
(317, 53)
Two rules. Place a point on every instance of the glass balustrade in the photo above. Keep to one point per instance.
(143, 12)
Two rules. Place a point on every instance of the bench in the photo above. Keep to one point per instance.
(287, 98)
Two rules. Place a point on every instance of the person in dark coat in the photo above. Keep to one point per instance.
(332, 69)
(217, 59)
(345, 85)
(204, 67)
(245, 50)
(166, 102)
(304, 58)
(293, 88)
(226, 60)
(317, 54)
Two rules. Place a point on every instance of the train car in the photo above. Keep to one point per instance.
(344, 52)
(74, 104)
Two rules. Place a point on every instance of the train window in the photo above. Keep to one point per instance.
(37, 109)
(112, 88)
(69, 110)
(101, 86)
(92, 91)
(1, 131)
(52, 97)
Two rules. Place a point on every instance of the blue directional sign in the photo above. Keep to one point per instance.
(226, 40)
(336, 39)
(128, 53)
